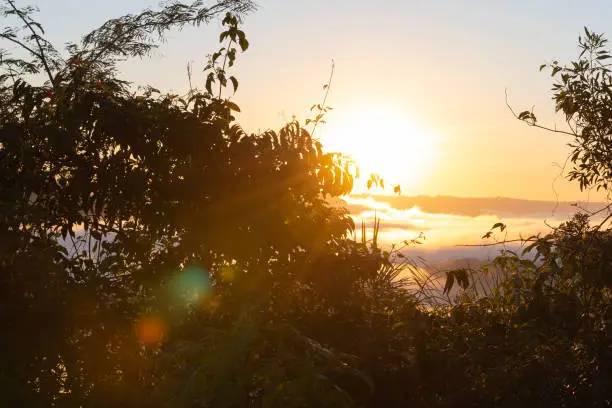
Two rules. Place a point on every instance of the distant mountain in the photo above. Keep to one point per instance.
(449, 264)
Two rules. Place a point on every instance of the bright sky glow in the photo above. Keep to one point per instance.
(383, 140)
(443, 66)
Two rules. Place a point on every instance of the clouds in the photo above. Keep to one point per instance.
(449, 222)
(474, 206)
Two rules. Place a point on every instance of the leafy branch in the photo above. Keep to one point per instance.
(582, 92)
(138, 35)
(234, 36)
(99, 51)
(530, 119)
(34, 43)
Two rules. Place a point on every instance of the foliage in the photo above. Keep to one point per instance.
(550, 306)
(154, 254)
(108, 197)
(582, 93)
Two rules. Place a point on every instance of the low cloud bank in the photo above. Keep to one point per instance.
(450, 223)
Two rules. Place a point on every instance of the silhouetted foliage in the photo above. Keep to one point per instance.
(582, 93)
(154, 254)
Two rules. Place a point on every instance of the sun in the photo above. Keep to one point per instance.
(383, 141)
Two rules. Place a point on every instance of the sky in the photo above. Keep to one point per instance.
(419, 86)
(418, 91)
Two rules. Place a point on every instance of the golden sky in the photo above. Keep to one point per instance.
(419, 96)
(419, 86)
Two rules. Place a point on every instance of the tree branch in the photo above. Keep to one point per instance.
(533, 124)
(521, 240)
(327, 86)
(22, 45)
(147, 23)
(41, 54)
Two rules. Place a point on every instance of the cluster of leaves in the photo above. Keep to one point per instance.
(218, 73)
(111, 200)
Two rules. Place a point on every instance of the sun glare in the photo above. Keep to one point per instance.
(382, 141)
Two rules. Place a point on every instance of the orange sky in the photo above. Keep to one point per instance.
(418, 95)
(440, 69)
(447, 223)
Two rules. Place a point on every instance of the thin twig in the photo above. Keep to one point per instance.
(189, 74)
(557, 177)
(533, 124)
(327, 87)
(497, 243)
(606, 219)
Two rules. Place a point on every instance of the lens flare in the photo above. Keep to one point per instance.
(192, 284)
(150, 330)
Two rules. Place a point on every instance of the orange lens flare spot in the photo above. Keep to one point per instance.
(150, 330)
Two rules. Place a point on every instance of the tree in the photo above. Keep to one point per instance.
(582, 93)
(109, 197)
(154, 254)
(551, 310)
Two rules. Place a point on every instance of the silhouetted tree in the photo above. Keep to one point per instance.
(152, 253)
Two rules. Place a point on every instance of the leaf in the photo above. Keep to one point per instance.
(462, 277)
(555, 70)
(527, 115)
(244, 44)
(233, 106)
(450, 281)
(234, 82)
(499, 225)
(209, 81)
